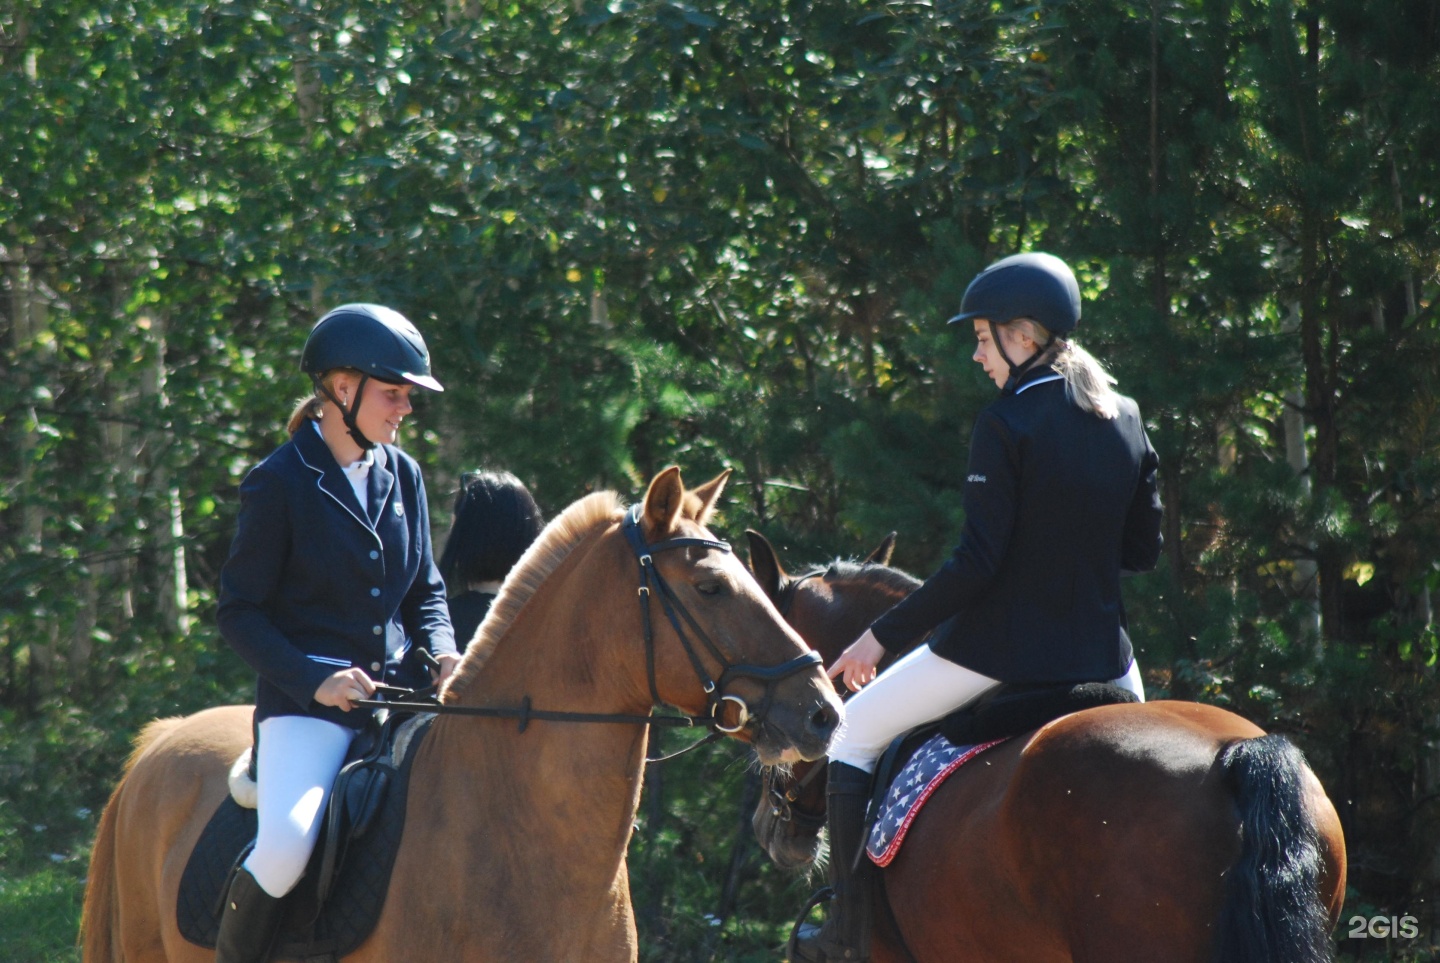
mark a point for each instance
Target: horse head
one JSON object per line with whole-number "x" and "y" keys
{"x": 757, "y": 680}
{"x": 830, "y": 607}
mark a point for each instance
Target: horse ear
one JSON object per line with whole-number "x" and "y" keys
{"x": 765, "y": 565}
{"x": 663, "y": 502}
{"x": 709, "y": 495}
{"x": 883, "y": 551}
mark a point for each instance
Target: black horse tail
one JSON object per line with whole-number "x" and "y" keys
{"x": 1272, "y": 910}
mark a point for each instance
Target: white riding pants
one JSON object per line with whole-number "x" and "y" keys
{"x": 919, "y": 688}
{"x": 299, "y": 759}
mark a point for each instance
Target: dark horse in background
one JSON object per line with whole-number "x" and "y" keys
{"x": 1162, "y": 832}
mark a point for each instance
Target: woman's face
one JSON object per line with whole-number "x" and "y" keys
{"x": 382, "y": 409}
{"x": 1017, "y": 345}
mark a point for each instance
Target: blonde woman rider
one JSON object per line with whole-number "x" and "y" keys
{"x": 1060, "y": 498}
{"x": 330, "y": 588}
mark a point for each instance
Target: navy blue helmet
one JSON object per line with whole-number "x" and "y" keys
{"x": 1037, "y": 286}
{"x": 374, "y": 340}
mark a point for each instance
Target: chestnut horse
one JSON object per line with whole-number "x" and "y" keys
{"x": 1163, "y": 832}
{"x": 515, "y": 841}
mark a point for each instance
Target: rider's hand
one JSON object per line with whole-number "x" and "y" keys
{"x": 448, "y": 664}
{"x": 343, "y": 688}
{"x": 857, "y": 663}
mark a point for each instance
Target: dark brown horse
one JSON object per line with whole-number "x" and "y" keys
{"x": 514, "y": 845}
{"x": 1164, "y": 832}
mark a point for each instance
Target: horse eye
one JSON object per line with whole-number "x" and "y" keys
{"x": 711, "y": 586}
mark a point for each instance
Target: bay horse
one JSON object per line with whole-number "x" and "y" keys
{"x": 1159, "y": 832}
{"x": 515, "y": 839}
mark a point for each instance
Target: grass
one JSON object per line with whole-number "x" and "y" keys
{"x": 40, "y": 915}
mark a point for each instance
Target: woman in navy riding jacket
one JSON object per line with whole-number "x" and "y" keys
{"x": 330, "y": 588}
{"x": 1060, "y": 498}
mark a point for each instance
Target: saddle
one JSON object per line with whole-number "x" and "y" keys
{"x": 335, "y": 906}
{"x": 1005, "y": 711}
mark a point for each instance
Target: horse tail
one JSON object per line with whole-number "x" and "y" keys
{"x": 1272, "y": 910}
{"x": 97, "y": 917}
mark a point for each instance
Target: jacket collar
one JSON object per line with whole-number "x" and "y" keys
{"x": 382, "y": 482}
{"x": 1040, "y": 375}
{"x": 316, "y": 456}
{"x": 1036, "y": 375}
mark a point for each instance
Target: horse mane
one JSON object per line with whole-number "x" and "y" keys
{"x": 543, "y": 557}
{"x": 872, "y": 573}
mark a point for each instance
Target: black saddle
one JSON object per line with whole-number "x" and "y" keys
{"x": 336, "y": 904}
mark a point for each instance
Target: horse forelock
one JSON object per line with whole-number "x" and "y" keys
{"x": 541, "y": 559}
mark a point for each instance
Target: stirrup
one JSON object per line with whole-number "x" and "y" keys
{"x": 822, "y": 895}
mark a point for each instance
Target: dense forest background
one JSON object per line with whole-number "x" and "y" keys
{"x": 727, "y": 234}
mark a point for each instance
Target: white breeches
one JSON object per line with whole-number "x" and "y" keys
{"x": 299, "y": 759}
{"x": 919, "y": 688}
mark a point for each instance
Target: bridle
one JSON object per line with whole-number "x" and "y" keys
{"x": 653, "y": 585}
{"x": 782, "y": 804}
{"x": 675, "y": 611}
{"x": 790, "y": 589}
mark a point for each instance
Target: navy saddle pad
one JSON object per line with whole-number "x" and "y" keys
{"x": 312, "y": 931}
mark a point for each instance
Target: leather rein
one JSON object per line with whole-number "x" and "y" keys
{"x": 652, "y": 585}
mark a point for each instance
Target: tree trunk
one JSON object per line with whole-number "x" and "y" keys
{"x": 167, "y": 546}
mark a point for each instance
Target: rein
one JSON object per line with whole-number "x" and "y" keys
{"x": 651, "y": 585}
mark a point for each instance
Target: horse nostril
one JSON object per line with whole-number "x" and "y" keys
{"x": 823, "y": 719}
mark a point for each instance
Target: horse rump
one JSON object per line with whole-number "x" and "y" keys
{"x": 1272, "y": 910}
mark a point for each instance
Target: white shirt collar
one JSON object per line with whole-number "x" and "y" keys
{"x": 357, "y": 473}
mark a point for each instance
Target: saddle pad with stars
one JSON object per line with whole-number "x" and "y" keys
{"x": 930, "y": 766}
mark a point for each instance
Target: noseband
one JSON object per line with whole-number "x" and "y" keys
{"x": 653, "y": 584}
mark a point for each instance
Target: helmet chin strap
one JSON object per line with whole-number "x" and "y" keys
{"x": 349, "y": 414}
{"x": 1017, "y": 371}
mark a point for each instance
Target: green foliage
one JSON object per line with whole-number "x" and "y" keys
{"x": 637, "y": 233}
{"x": 38, "y": 913}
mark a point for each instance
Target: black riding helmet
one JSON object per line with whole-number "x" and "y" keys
{"x": 1037, "y": 286}
{"x": 378, "y": 342}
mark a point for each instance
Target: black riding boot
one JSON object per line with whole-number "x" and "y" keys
{"x": 248, "y": 923}
{"x": 845, "y": 936}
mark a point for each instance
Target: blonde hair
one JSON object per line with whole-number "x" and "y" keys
{"x": 312, "y": 406}
{"x": 1087, "y": 383}
{"x": 306, "y": 409}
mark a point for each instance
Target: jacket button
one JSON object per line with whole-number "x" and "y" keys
{"x": 375, "y": 593}
{"x": 374, "y": 553}
{"x": 377, "y": 630}
{"x": 374, "y": 666}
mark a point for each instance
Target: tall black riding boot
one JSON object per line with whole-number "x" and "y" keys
{"x": 845, "y": 936}
{"x": 248, "y": 923}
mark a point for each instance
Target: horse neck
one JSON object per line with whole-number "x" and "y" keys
{"x": 830, "y": 622}
{"x": 576, "y": 645}
{"x": 574, "y": 785}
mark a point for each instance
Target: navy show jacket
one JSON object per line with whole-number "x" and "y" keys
{"x": 315, "y": 583}
{"x": 1057, "y": 503}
